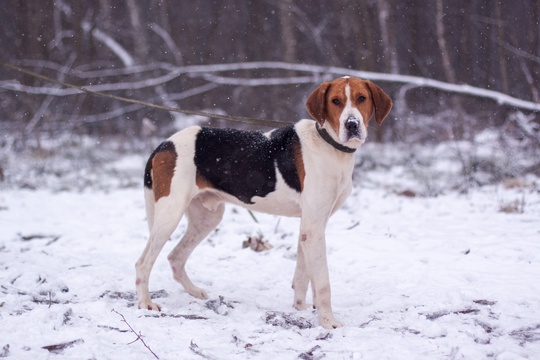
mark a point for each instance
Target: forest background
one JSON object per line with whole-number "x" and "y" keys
{"x": 436, "y": 58}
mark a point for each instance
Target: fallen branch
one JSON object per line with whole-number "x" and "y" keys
{"x": 287, "y": 321}
{"x": 309, "y": 355}
{"x": 177, "y": 316}
{"x": 59, "y": 348}
{"x": 51, "y": 238}
{"x": 218, "y": 305}
{"x": 5, "y": 351}
{"x": 139, "y": 335}
{"x": 528, "y": 334}
{"x": 197, "y": 350}
{"x": 442, "y": 313}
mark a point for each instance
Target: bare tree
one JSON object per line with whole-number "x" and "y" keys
{"x": 287, "y": 30}
{"x": 152, "y": 50}
{"x": 387, "y": 37}
{"x": 441, "y": 40}
{"x": 139, "y": 37}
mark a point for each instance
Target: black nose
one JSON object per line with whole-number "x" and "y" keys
{"x": 352, "y": 126}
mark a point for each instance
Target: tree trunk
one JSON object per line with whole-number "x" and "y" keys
{"x": 441, "y": 40}
{"x": 287, "y": 30}
{"x": 140, "y": 39}
{"x": 389, "y": 48}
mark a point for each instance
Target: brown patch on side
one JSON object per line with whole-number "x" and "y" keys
{"x": 299, "y": 163}
{"x": 163, "y": 164}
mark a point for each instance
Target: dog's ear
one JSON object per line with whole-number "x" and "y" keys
{"x": 316, "y": 103}
{"x": 381, "y": 102}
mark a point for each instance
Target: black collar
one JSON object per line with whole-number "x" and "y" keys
{"x": 326, "y": 136}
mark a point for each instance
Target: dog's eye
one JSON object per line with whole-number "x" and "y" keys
{"x": 336, "y": 102}
{"x": 361, "y": 99}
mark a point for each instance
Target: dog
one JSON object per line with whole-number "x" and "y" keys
{"x": 302, "y": 170}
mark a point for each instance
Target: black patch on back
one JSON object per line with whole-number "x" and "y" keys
{"x": 164, "y": 146}
{"x": 285, "y": 140}
{"x": 241, "y": 163}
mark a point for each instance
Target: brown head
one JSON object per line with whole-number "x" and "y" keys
{"x": 345, "y": 106}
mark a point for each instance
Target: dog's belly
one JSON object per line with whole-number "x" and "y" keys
{"x": 284, "y": 201}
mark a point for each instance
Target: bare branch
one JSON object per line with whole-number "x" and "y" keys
{"x": 168, "y": 40}
{"x": 112, "y": 44}
{"x": 48, "y": 100}
{"x": 131, "y": 108}
{"x": 257, "y": 82}
{"x": 318, "y": 73}
{"x": 139, "y": 335}
{"x": 16, "y": 86}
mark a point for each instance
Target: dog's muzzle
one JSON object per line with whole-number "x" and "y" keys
{"x": 352, "y": 125}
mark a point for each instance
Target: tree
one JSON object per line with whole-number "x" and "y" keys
{"x": 133, "y": 48}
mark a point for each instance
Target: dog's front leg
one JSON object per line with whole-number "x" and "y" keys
{"x": 313, "y": 249}
{"x": 301, "y": 279}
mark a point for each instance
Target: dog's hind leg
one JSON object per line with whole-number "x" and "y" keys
{"x": 167, "y": 214}
{"x": 149, "y": 202}
{"x": 204, "y": 214}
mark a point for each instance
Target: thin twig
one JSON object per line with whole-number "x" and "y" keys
{"x": 253, "y": 216}
{"x": 277, "y": 225}
{"x": 139, "y": 335}
{"x": 353, "y": 225}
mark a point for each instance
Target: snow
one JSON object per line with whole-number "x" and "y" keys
{"x": 446, "y": 277}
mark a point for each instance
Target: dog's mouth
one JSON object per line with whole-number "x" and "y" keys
{"x": 354, "y": 133}
{"x": 355, "y": 141}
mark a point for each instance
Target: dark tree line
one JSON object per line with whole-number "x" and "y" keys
{"x": 124, "y": 46}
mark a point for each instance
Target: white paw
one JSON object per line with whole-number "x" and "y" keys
{"x": 301, "y": 305}
{"x": 198, "y": 293}
{"x": 148, "y": 305}
{"x": 328, "y": 322}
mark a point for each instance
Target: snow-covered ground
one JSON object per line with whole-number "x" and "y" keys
{"x": 454, "y": 276}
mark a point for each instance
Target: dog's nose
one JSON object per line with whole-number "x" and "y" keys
{"x": 352, "y": 125}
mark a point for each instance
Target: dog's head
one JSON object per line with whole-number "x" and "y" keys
{"x": 345, "y": 106}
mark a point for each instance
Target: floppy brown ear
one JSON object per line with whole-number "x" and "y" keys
{"x": 381, "y": 102}
{"x": 316, "y": 103}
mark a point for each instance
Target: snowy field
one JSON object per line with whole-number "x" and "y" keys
{"x": 453, "y": 276}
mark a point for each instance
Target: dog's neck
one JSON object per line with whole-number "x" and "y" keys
{"x": 330, "y": 140}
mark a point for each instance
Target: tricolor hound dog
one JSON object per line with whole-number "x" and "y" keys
{"x": 302, "y": 170}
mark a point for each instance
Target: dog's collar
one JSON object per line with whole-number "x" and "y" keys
{"x": 326, "y": 136}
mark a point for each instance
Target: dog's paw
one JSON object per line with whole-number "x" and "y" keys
{"x": 301, "y": 305}
{"x": 148, "y": 305}
{"x": 328, "y": 322}
{"x": 198, "y": 293}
